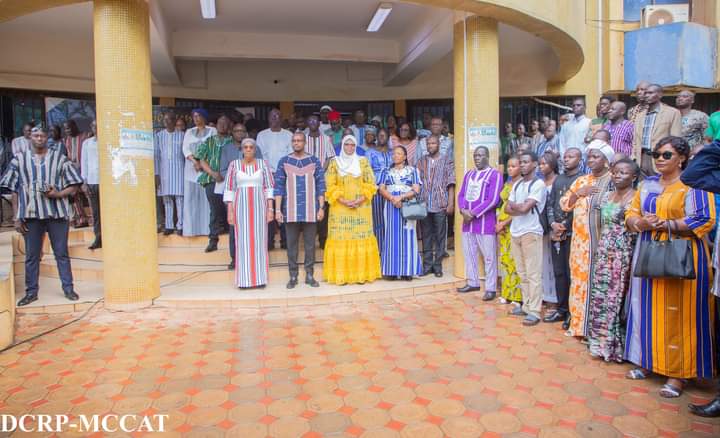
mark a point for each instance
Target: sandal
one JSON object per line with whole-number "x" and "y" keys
{"x": 670, "y": 391}
{"x": 637, "y": 374}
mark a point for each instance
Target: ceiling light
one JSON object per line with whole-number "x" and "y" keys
{"x": 208, "y": 8}
{"x": 379, "y": 18}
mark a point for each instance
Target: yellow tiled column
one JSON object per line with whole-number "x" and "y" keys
{"x": 124, "y": 120}
{"x": 477, "y": 100}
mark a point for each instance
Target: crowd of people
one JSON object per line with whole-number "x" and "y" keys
{"x": 559, "y": 226}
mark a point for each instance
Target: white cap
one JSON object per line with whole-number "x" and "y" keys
{"x": 326, "y": 107}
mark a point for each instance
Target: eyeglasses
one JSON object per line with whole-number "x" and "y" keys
{"x": 665, "y": 155}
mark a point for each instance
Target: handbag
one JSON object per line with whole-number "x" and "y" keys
{"x": 413, "y": 209}
{"x": 671, "y": 258}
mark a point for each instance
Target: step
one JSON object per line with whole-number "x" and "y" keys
{"x": 51, "y": 299}
{"x": 92, "y": 270}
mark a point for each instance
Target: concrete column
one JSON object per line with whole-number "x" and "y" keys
{"x": 477, "y": 100}
{"x": 124, "y": 120}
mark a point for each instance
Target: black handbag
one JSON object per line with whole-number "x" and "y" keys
{"x": 413, "y": 209}
{"x": 671, "y": 258}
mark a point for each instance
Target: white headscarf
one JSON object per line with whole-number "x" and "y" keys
{"x": 603, "y": 147}
{"x": 348, "y": 164}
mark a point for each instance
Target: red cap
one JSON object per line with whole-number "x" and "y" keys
{"x": 334, "y": 115}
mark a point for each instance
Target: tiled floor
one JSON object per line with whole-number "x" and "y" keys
{"x": 432, "y": 366}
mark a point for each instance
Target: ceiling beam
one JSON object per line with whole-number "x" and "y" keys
{"x": 429, "y": 42}
{"x": 234, "y": 45}
{"x": 162, "y": 62}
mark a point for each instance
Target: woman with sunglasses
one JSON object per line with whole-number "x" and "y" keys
{"x": 249, "y": 194}
{"x": 669, "y": 323}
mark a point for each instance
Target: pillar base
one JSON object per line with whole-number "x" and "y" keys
{"x": 128, "y": 307}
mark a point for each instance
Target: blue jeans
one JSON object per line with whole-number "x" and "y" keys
{"x": 57, "y": 230}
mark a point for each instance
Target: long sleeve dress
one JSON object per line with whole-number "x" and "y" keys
{"x": 670, "y": 321}
{"x": 400, "y": 254}
{"x": 586, "y": 233}
{"x": 510, "y": 285}
{"x": 196, "y": 208}
{"x": 351, "y": 251}
{"x": 248, "y": 187}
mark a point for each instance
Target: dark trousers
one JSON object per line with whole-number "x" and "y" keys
{"x": 561, "y": 269}
{"x": 218, "y": 212}
{"x": 273, "y": 228}
{"x": 434, "y": 239}
{"x": 322, "y": 227}
{"x": 57, "y": 229}
{"x": 231, "y": 239}
{"x": 94, "y": 198}
{"x": 293, "y": 230}
{"x": 159, "y": 211}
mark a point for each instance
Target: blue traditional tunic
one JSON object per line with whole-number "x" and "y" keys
{"x": 170, "y": 162}
{"x": 299, "y": 182}
{"x": 379, "y": 162}
{"x": 400, "y": 255}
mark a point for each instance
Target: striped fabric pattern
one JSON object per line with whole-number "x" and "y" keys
{"x": 400, "y": 254}
{"x": 299, "y": 182}
{"x": 29, "y": 178}
{"x": 621, "y": 136}
{"x": 248, "y": 187}
{"x": 671, "y": 321}
{"x": 320, "y": 146}
{"x": 170, "y": 162}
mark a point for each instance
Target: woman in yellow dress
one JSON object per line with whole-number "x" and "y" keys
{"x": 351, "y": 251}
{"x": 510, "y": 287}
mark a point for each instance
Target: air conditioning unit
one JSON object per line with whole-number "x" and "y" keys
{"x": 657, "y": 15}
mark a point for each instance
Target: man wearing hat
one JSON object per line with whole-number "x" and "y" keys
{"x": 325, "y": 111}
{"x": 42, "y": 182}
{"x": 336, "y": 130}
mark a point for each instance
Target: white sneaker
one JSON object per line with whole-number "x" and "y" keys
{"x": 502, "y": 300}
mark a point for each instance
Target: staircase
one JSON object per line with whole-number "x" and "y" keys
{"x": 189, "y": 277}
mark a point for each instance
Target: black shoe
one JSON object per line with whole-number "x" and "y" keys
{"x": 309, "y": 280}
{"x": 231, "y": 266}
{"x": 178, "y": 232}
{"x": 426, "y": 272}
{"x": 556, "y": 316}
{"x": 389, "y": 277}
{"x": 566, "y": 323}
{"x": 489, "y": 296}
{"x": 95, "y": 245}
{"x": 406, "y": 277}
{"x": 212, "y": 246}
{"x": 467, "y": 288}
{"x": 709, "y": 410}
{"x": 292, "y": 283}
{"x": 27, "y": 299}
{"x": 283, "y": 246}
{"x": 168, "y": 231}
{"x": 71, "y": 295}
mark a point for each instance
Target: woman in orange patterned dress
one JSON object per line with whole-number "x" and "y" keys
{"x": 583, "y": 199}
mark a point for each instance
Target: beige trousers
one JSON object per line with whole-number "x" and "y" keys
{"x": 527, "y": 251}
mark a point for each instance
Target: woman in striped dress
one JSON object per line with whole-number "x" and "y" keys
{"x": 380, "y": 160}
{"x": 196, "y": 208}
{"x": 249, "y": 194}
{"x": 400, "y": 255}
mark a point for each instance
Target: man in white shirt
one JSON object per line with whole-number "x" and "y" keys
{"x": 574, "y": 131}
{"x": 90, "y": 171}
{"x": 275, "y": 143}
{"x": 22, "y": 143}
{"x": 525, "y": 204}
